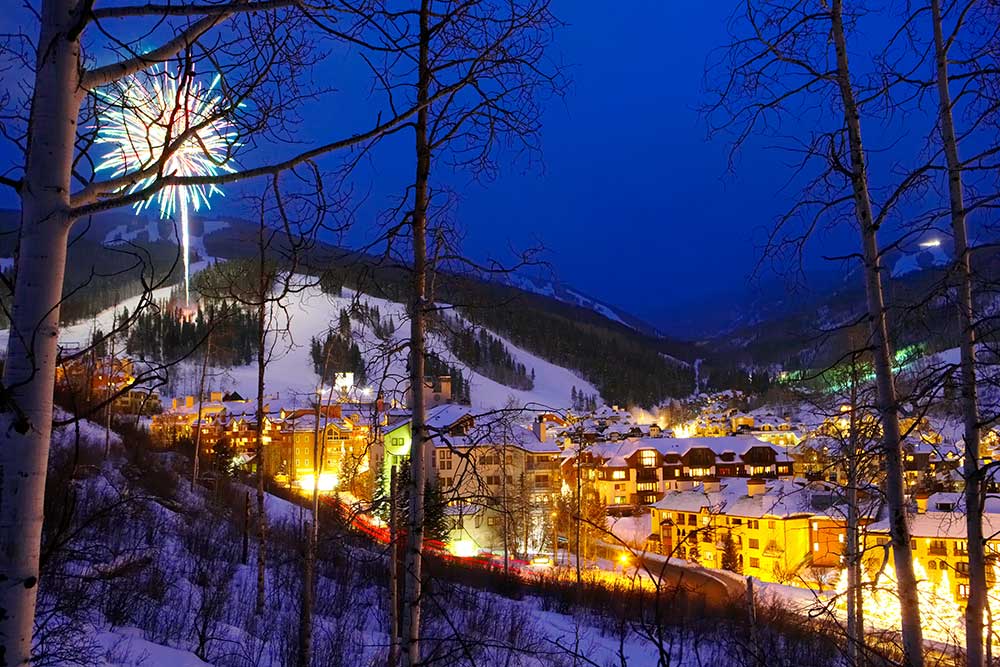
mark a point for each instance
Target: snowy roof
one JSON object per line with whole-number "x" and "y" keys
{"x": 955, "y": 502}
{"x": 439, "y": 418}
{"x": 307, "y": 422}
{"x": 950, "y": 525}
{"x": 781, "y": 498}
{"x": 738, "y": 445}
{"x": 486, "y": 433}
{"x": 495, "y": 435}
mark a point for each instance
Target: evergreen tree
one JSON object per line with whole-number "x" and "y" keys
{"x": 730, "y": 556}
{"x": 222, "y": 457}
{"x": 344, "y": 324}
{"x": 435, "y": 518}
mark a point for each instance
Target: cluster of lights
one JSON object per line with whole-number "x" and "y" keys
{"x": 144, "y": 115}
{"x": 327, "y": 482}
{"x": 687, "y": 430}
{"x": 463, "y": 548}
{"x": 942, "y": 618}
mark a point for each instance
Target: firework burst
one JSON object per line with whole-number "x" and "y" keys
{"x": 147, "y": 113}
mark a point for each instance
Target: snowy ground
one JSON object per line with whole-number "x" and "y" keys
{"x": 632, "y": 530}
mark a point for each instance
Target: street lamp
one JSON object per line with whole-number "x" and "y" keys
{"x": 555, "y": 539}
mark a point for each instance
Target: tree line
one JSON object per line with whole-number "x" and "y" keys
{"x": 169, "y": 331}
{"x": 624, "y": 369}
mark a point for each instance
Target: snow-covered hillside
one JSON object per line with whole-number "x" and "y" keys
{"x": 172, "y": 589}
{"x": 310, "y": 313}
{"x": 549, "y": 288}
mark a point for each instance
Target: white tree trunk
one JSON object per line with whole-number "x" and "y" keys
{"x": 976, "y": 603}
{"x": 29, "y": 374}
{"x": 886, "y": 400}
{"x": 413, "y": 574}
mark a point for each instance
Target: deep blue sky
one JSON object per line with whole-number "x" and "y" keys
{"x": 634, "y": 203}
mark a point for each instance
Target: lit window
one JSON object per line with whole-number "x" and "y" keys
{"x": 618, "y": 474}
{"x": 815, "y": 546}
{"x": 647, "y": 458}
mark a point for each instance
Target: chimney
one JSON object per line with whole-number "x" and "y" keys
{"x": 540, "y": 428}
{"x": 379, "y": 403}
{"x": 756, "y": 487}
{"x": 215, "y": 396}
{"x": 921, "y": 499}
{"x": 173, "y": 404}
{"x": 189, "y": 401}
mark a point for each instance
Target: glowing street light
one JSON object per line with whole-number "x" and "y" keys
{"x": 327, "y": 482}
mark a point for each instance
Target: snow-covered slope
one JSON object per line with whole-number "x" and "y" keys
{"x": 310, "y": 313}
{"x": 554, "y": 290}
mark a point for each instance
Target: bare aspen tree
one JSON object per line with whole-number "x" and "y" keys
{"x": 201, "y": 403}
{"x": 962, "y": 253}
{"x": 312, "y": 536}
{"x": 882, "y": 358}
{"x": 263, "y": 284}
{"x": 788, "y": 52}
{"x": 474, "y": 72}
{"x": 958, "y": 53}
{"x": 263, "y": 50}
{"x": 417, "y": 310}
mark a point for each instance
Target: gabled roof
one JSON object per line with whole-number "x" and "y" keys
{"x": 439, "y": 418}
{"x": 738, "y": 445}
{"x": 948, "y": 525}
{"x": 780, "y": 498}
{"x": 496, "y": 435}
{"x": 991, "y": 503}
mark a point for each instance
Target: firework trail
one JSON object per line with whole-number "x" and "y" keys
{"x": 144, "y": 115}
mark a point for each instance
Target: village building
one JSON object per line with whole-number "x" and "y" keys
{"x": 500, "y": 480}
{"x": 180, "y": 420}
{"x": 638, "y": 471}
{"x": 96, "y": 378}
{"x": 938, "y": 540}
{"x": 342, "y": 443}
{"x": 773, "y": 529}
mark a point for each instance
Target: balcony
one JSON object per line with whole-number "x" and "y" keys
{"x": 646, "y": 475}
{"x": 772, "y": 549}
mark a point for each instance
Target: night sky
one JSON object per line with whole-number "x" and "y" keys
{"x": 634, "y": 204}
